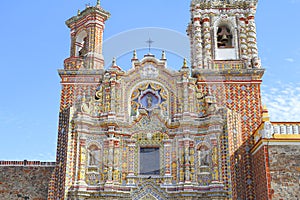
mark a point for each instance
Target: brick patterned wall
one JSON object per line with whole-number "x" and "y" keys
{"x": 245, "y": 100}
{"x": 19, "y": 179}
{"x": 261, "y": 173}
{"x": 285, "y": 171}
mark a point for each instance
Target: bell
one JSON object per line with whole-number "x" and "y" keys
{"x": 224, "y": 38}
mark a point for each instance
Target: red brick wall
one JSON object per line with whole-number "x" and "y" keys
{"x": 261, "y": 174}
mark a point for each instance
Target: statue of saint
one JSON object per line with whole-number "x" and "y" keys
{"x": 93, "y": 157}
{"x": 149, "y": 101}
{"x": 203, "y": 157}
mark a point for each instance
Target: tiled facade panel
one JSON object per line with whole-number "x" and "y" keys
{"x": 260, "y": 173}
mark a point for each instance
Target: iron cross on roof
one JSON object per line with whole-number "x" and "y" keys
{"x": 149, "y": 42}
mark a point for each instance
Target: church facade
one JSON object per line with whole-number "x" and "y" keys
{"x": 154, "y": 133}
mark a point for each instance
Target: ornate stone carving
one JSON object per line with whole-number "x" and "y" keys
{"x": 149, "y": 71}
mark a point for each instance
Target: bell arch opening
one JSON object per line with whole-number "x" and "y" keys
{"x": 224, "y": 37}
{"x": 81, "y": 44}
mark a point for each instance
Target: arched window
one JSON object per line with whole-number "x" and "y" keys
{"x": 84, "y": 48}
{"x": 224, "y": 37}
{"x": 81, "y": 44}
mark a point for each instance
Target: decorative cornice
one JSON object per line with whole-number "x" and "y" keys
{"x": 230, "y": 74}
{"x": 88, "y": 11}
{"x": 223, "y": 4}
{"x": 63, "y": 72}
{"x": 27, "y": 163}
{"x": 275, "y": 142}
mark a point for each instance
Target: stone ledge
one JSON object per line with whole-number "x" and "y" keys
{"x": 27, "y": 163}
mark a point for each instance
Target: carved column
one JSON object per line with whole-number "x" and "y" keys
{"x": 207, "y": 42}
{"x": 73, "y": 152}
{"x": 116, "y": 171}
{"x": 192, "y": 100}
{"x": 107, "y": 93}
{"x": 215, "y": 161}
{"x": 119, "y": 105}
{"x": 187, "y": 164}
{"x": 175, "y": 163}
{"x": 167, "y": 155}
{"x": 124, "y": 160}
{"x": 197, "y": 46}
{"x": 192, "y": 161}
{"x": 82, "y": 163}
{"x": 110, "y": 160}
{"x": 113, "y": 93}
{"x": 185, "y": 102}
{"x": 131, "y": 160}
{"x": 252, "y": 40}
{"x": 181, "y": 161}
{"x": 252, "y": 36}
{"x": 243, "y": 38}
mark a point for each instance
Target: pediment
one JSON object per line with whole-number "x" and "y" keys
{"x": 148, "y": 190}
{"x": 150, "y": 68}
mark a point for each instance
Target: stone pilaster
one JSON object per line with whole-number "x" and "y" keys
{"x": 167, "y": 155}
{"x": 131, "y": 160}
{"x": 215, "y": 161}
{"x": 81, "y": 184}
{"x": 116, "y": 170}
{"x": 110, "y": 160}
{"x": 185, "y": 95}
{"x": 187, "y": 164}
{"x": 192, "y": 161}
{"x": 113, "y": 93}
{"x": 181, "y": 161}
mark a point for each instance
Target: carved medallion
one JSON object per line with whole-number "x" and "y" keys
{"x": 148, "y": 97}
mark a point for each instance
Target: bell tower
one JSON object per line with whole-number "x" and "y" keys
{"x": 82, "y": 73}
{"x": 225, "y": 62}
{"x": 87, "y": 38}
{"x": 223, "y": 30}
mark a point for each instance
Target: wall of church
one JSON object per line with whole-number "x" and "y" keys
{"x": 231, "y": 95}
{"x": 261, "y": 173}
{"x": 25, "y": 179}
{"x": 285, "y": 171}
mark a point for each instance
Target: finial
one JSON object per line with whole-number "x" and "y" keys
{"x": 134, "y": 55}
{"x": 98, "y": 2}
{"x": 265, "y": 107}
{"x": 184, "y": 63}
{"x": 78, "y": 12}
{"x": 163, "y": 55}
{"x": 114, "y": 61}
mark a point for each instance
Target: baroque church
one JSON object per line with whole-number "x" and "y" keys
{"x": 154, "y": 133}
{"x": 150, "y": 132}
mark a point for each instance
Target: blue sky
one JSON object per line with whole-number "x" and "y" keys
{"x": 35, "y": 41}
